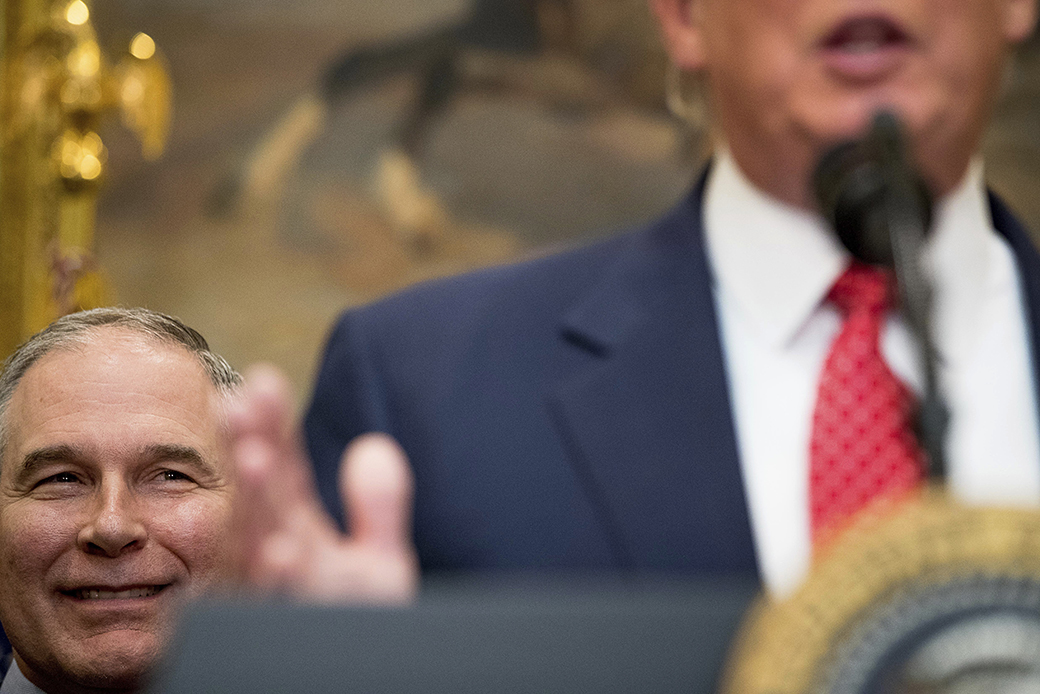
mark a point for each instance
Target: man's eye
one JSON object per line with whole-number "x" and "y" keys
{"x": 61, "y": 478}
{"x": 174, "y": 476}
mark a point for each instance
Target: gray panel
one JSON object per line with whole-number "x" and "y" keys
{"x": 463, "y": 638}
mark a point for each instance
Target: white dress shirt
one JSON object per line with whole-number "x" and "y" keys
{"x": 773, "y": 267}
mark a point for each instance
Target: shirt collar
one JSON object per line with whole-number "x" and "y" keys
{"x": 776, "y": 262}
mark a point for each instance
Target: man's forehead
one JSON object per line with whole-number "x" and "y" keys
{"x": 115, "y": 388}
{"x": 101, "y": 356}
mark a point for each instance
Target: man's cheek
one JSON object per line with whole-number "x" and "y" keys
{"x": 198, "y": 534}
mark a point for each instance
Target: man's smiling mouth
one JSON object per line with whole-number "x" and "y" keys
{"x": 108, "y": 594}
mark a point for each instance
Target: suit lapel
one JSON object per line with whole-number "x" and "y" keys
{"x": 647, "y": 417}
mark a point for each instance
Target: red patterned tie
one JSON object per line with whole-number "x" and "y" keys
{"x": 863, "y": 447}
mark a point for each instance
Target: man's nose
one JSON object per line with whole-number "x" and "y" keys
{"x": 113, "y": 526}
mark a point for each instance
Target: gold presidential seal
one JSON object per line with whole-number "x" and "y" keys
{"x": 922, "y": 597}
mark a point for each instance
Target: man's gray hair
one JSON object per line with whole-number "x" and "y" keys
{"x": 75, "y": 329}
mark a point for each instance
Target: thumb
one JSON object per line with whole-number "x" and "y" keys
{"x": 376, "y": 487}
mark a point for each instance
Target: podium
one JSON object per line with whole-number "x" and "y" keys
{"x": 463, "y": 635}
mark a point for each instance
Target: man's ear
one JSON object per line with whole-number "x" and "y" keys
{"x": 683, "y": 31}
{"x": 1019, "y": 19}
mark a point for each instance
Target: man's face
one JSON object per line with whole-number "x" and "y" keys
{"x": 789, "y": 78}
{"x": 114, "y": 505}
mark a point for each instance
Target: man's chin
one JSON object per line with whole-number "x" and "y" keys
{"x": 127, "y": 679}
{"x": 114, "y": 661}
{"x": 125, "y": 654}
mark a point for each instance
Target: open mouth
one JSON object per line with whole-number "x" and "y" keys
{"x": 865, "y": 35}
{"x": 866, "y": 49}
{"x": 108, "y": 594}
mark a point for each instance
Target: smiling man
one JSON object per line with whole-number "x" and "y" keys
{"x": 115, "y": 498}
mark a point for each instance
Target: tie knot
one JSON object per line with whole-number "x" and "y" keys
{"x": 862, "y": 288}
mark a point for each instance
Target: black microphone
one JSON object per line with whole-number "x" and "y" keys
{"x": 858, "y": 182}
{"x": 872, "y": 196}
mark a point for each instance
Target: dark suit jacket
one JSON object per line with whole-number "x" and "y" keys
{"x": 567, "y": 412}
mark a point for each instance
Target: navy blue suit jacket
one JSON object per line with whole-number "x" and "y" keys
{"x": 570, "y": 412}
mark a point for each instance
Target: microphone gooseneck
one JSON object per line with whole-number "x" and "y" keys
{"x": 880, "y": 208}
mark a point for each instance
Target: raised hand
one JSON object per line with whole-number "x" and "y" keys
{"x": 286, "y": 542}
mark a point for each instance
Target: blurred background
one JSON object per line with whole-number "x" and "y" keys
{"x": 554, "y": 147}
{"x": 517, "y": 171}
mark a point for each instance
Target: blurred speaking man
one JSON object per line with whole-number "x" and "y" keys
{"x": 115, "y": 498}
{"x": 671, "y": 399}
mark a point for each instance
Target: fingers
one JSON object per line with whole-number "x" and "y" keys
{"x": 274, "y": 490}
{"x": 262, "y": 409}
{"x": 377, "y": 489}
{"x": 310, "y": 559}
{"x": 253, "y": 519}
{"x": 285, "y": 540}
{"x": 264, "y": 444}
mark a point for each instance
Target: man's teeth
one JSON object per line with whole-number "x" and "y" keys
{"x": 90, "y": 594}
